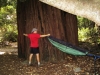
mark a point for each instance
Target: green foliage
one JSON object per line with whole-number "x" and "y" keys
{"x": 8, "y": 27}
{"x": 12, "y": 3}
{"x": 83, "y": 22}
{"x": 7, "y": 15}
{"x": 83, "y": 34}
{"x": 10, "y": 36}
{"x": 88, "y": 31}
{"x": 3, "y": 3}
{"x": 9, "y": 33}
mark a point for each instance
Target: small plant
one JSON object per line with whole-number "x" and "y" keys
{"x": 83, "y": 34}
{"x": 10, "y": 36}
{"x": 88, "y": 31}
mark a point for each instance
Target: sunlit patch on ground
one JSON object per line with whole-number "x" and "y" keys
{"x": 7, "y": 50}
{"x": 1, "y": 53}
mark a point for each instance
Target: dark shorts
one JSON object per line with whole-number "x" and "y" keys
{"x": 34, "y": 50}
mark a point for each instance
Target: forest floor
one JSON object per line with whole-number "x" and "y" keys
{"x": 10, "y": 64}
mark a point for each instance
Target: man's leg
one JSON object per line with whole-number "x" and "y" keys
{"x": 38, "y": 58}
{"x": 30, "y": 58}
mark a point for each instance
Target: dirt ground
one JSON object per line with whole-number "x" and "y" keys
{"x": 10, "y": 64}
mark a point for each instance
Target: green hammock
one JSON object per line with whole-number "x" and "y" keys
{"x": 70, "y": 49}
{"x": 66, "y": 49}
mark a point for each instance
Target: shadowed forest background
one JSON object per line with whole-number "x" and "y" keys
{"x": 19, "y": 16}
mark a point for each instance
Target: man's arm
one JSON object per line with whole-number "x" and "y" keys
{"x": 45, "y": 35}
{"x": 25, "y": 34}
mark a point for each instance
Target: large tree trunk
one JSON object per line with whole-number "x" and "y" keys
{"x": 86, "y": 8}
{"x": 21, "y": 22}
{"x": 47, "y": 19}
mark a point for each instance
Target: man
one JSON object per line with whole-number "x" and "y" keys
{"x": 34, "y": 47}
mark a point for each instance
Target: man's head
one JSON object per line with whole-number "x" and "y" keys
{"x": 34, "y": 30}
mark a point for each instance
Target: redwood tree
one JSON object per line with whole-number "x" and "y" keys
{"x": 47, "y": 19}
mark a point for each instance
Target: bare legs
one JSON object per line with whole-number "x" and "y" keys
{"x": 30, "y": 58}
{"x": 37, "y": 57}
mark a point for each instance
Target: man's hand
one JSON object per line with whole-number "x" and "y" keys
{"x": 25, "y": 34}
{"x": 48, "y": 34}
{"x": 45, "y": 35}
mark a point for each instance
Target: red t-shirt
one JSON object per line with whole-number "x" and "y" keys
{"x": 34, "y": 37}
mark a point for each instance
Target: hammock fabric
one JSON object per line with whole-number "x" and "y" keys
{"x": 73, "y": 50}
{"x": 69, "y": 48}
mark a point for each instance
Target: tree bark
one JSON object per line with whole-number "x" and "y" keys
{"x": 86, "y": 8}
{"x": 46, "y": 19}
{"x": 21, "y": 23}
